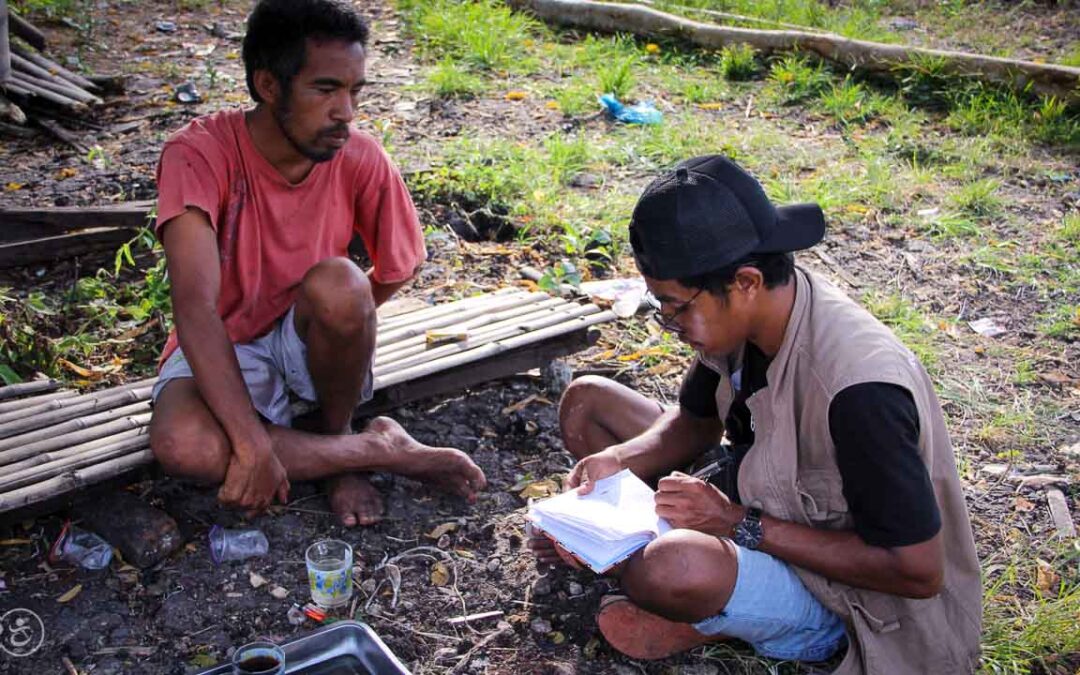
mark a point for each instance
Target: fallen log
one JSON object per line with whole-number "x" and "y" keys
{"x": 5, "y": 43}
{"x": 48, "y": 249}
{"x": 18, "y": 84}
{"x": 42, "y": 75}
{"x": 26, "y": 30}
{"x": 1047, "y": 79}
{"x": 17, "y": 224}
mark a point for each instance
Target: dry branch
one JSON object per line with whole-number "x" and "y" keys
{"x": 1043, "y": 78}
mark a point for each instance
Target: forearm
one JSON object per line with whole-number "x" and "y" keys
{"x": 210, "y": 353}
{"x": 673, "y": 441}
{"x": 382, "y": 292}
{"x": 843, "y": 556}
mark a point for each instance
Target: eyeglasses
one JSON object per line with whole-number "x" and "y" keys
{"x": 668, "y": 321}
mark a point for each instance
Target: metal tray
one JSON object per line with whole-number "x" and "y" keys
{"x": 342, "y": 648}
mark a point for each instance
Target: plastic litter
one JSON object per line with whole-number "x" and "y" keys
{"x": 82, "y": 548}
{"x": 187, "y": 93}
{"x": 229, "y": 545}
{"x": 165, "y": 26}
{"x": 643, "y": 112}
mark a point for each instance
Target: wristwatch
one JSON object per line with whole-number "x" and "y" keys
{"x": 748, "y": 531}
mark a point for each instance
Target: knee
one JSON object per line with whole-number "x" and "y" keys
{"x": 337, "y": 295}
{"x": 579, "y": 401}
{"x": 190, "y": 451}
{"x": 681, "y": 574}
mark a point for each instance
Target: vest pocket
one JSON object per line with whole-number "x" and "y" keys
{"x": 822, "y": 499}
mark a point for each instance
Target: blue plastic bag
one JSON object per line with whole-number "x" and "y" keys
{"x": 639, "y": 113}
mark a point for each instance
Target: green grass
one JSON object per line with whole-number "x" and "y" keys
{"x": 449, "y": 80}
{"x": 913, "y": 329}
{"x": 795, "y": 78}
{"x": 483, "y": 35}
{"x": 738, "y": 62}
{"x": 851, "y": 102}
{"x": 979, "y": 199}
{"x": 616, "y": 77}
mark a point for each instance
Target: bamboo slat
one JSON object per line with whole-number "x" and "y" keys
{"x": 36, "y": 419}
{"x": 31, "y": 401}
{"x": 420, "y": 327}
{"x": 28, "y": 388}
{"x": 75, "y": 425}
{"x": 491, "y": 349}
{"x": 37, "y": 474}
{"x": 20, "y": 453}
{"x": 73, "y": 480}
{"x": 500, "y": 331}
{"x": 50, "y": 402}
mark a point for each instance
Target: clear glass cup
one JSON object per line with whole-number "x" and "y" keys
{"x": 259, "y": 658}
{"x": 329, "y": 567}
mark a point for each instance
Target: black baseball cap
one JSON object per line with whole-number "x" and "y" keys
{"x": 708, "y": 213}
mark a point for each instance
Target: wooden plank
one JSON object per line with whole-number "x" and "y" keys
{"x": 49, "y": 249}
{"x": 1059, "y": 511}
{"x": 19, "y": 224}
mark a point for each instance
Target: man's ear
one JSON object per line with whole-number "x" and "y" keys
{"x": 748, "y": 280}
{"x": 268, "y": 87}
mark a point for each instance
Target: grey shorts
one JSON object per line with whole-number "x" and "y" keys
{"x": 272, "y": 366}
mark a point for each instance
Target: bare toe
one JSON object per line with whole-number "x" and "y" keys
{"x": 355, "y": 500}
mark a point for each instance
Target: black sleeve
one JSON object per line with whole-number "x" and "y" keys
{"x": 697, "y": 395}
{"x": 875, "y": 427}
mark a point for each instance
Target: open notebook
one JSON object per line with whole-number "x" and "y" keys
{"x": 605, "y": 526}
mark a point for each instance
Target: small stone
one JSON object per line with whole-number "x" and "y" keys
{"x": 279, "y": 592}
{"x": 257, "y": 580}
{"x": 903, "y": 23}
{"x": 165, "y": 26}
{"x": 542, "y": 586}
{"x": 444, "y": 542}
{"x": 145, "y": 535}
{"x": 995, "y": 469}
{"x": 574, "y": 588}
{"x": 540, "y": 625}
{"x": 493, "y": 564}
{"x": 1071, "y": 450}
{"x": 368, "y": 585}
{"x": 408, "y": 606}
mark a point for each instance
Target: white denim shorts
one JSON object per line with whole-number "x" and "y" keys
{"x": 272, "y": 366}
{"x": 772, "y": 610}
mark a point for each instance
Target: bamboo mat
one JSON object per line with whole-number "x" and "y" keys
{"x": 54, "y": 441}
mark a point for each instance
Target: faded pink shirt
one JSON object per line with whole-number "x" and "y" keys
{"x": 271, "y": 232}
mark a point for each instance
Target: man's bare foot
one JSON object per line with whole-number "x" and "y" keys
{"x": 355, "y": 500}
{"x": 445, "y": 468}
{"x": 643, "y": 635}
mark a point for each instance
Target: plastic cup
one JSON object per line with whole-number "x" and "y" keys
{"x": 329, "y": 568}
{"x": 228, "y": 545}
{"x": 259, "y": 658}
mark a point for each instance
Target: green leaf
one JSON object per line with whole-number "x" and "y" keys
{"x": 8, "y": 375}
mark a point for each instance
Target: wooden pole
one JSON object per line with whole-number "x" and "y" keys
{"x": 56, "y": 69}
{"x": 20, "y": 422}
{"x": 74, "y": 480}
{"x": 406, "y": 318}
{"x": 37, "y": 474}
{"x": 1047, "y": 79}
{"x": 26, "y": 30}
{"x": 75, "y": 425}
{"x": 61, "y": 89}
{"x": 19, "y": 86}
{"x": 23, "y": 64}
{"x": 104, "y": 430}
{"x": 71, "y": 451}
{"x": 5, "y": 44}
{"x": 28, "y": 388}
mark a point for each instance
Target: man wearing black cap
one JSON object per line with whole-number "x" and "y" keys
{"x": 846, "y": 525}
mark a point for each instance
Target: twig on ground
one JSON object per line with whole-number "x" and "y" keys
{"x": 488, "y": 639}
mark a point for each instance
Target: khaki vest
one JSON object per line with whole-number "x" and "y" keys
{"x": 831, "y": 343}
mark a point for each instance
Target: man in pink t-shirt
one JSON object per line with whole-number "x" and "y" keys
{"x": 256, "y": 209}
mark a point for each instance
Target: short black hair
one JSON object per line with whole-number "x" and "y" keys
{"x": 777, "y": 269}
{"x": 278, "y": 31}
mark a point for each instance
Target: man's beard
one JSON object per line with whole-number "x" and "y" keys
{"x": 282, "y": 114}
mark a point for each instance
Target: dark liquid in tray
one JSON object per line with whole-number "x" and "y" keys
{"x": 341, "y": 665}
{"x": 258, "y": 664}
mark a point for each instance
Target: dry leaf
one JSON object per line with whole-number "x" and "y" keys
{"x": 441, "y": 530}
{"x": 13, "y": 186}
{"x": 1024, "y": 505}
{"x": 1046, "y": 579}
{"x": 556, "y": 637}
{"x": 66, "y": 172}
{"x": 70, "y": 595}
{"x": 540, "y": 489}
{"x": 440, "y": 575}
{"x": 516, "y": 95}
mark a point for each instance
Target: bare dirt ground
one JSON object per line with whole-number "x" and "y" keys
{"x": 187, "y": 613}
